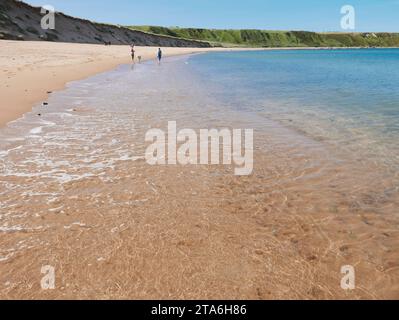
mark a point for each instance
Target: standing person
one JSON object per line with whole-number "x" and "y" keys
{"x": 159, "y": 55}
{"x": 132, "y": 51}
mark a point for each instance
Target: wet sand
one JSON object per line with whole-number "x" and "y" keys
{"x": 78, "y": 195}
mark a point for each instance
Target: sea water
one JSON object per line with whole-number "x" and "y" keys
{"x": 76, "y": 191}
{"x": 349, "y": 98}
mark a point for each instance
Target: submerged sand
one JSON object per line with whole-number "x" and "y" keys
{"x": 77, "y": 195}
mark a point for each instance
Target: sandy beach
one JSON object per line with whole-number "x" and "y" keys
{"x": 31, "y": 69}
{"x": 76, "y": 196}
{"x": 267, "y": 173}
{"x": 79, "y": 196}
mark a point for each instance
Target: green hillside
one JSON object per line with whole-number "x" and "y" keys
{"x": 263, "y": 38}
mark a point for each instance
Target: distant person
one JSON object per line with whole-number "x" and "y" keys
{"x": 139, "y": 58}
{"x": 132, "y": 51}
{"x": 159, "y": 55}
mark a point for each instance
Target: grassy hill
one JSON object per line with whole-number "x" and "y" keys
{"x": 263, "y": 38}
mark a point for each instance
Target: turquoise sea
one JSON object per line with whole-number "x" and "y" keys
{"x": 345, "y": 97}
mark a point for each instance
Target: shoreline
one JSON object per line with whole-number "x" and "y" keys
{"x": 30, "y": 70}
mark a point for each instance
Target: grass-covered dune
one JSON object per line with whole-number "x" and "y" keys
{"x": 263, "y": 38}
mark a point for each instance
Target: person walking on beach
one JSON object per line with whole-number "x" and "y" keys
{"x": 159, "y": 55}
{"x": 132, "y": 52}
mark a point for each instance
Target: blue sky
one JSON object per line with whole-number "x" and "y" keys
{"x": 312, "y": 15}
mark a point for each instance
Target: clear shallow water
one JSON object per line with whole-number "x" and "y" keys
{"x": 348, "y": 97}
{"x": 331, "y": 109}
{"x": 75, "y": 190}
{"x": 349, "y": 81}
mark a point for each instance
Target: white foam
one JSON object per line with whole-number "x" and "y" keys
{"x": 63, "y": 114}
{"x": 61, "y": 177}
{"x": 79, "y": 224}
{"x": 36, "y": 130}
{"x": 8, "y": 256}
{"x": 4, "y": 153}
{"x": 5, "y": 228}
{"x": 48, "y": 123}
{"x": 55, "y": 209}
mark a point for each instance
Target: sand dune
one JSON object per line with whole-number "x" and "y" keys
{"x": 31, "y": 69}
{"x": 20, "y": 21}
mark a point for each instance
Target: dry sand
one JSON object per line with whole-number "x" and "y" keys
{"x": 29, "y": 70}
